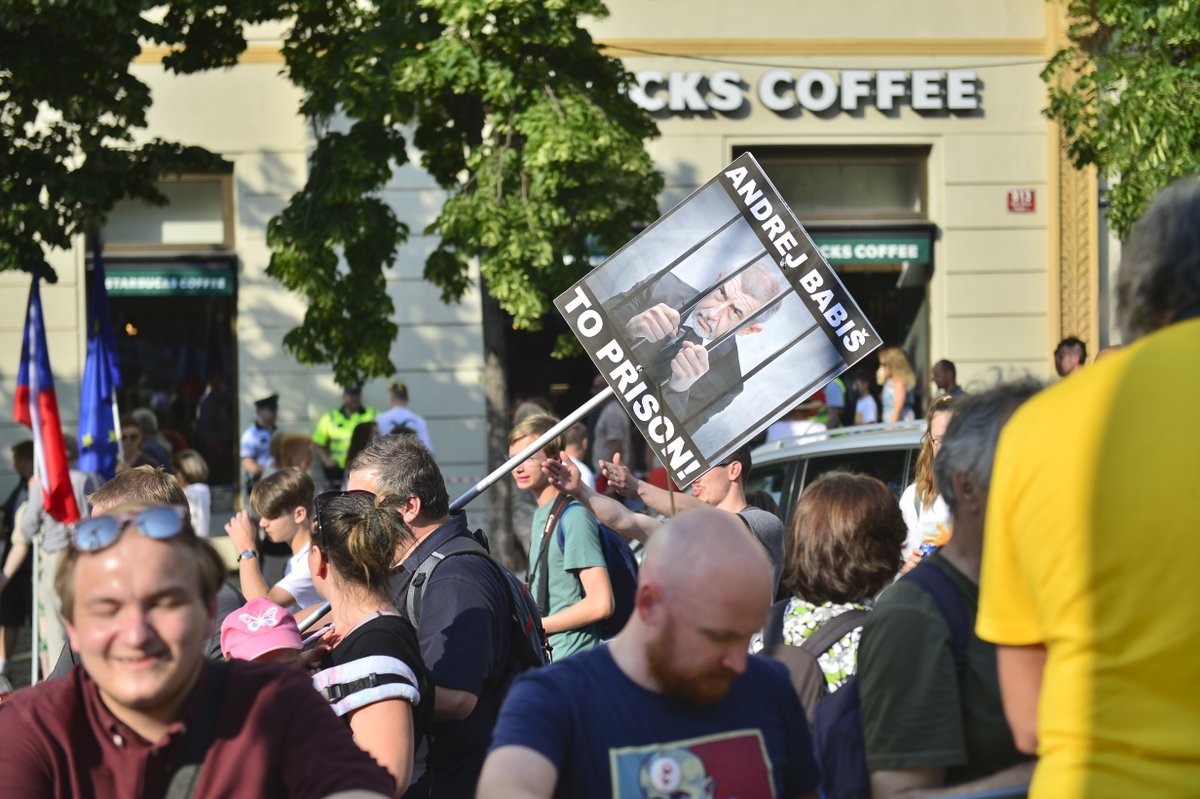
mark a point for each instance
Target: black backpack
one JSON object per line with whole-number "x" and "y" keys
{"x": 530, "y": 646}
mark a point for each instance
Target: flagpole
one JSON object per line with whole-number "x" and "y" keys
{"x": 117, "y": 428}
{"x": 500, "y": 471}
{"x": 35, "y": 628}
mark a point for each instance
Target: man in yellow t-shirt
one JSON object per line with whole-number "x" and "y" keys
{"x": 1093, "y": 541}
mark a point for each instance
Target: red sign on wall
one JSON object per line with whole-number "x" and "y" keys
{"x": 1021, "y": 201}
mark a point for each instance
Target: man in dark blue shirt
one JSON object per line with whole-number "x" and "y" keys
{"x": 463, "y": 627}
{"x": 673, "y": 706}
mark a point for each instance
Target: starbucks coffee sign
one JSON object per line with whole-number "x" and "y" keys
{"x": 786, "y": 91}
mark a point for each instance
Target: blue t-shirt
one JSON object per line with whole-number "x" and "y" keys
{"x": 466, "y": 641}
{"x": 598, "y": 726}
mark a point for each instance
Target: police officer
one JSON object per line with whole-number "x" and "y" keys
{"x": 334, "y": 428}
{"x": 256, "y": 440}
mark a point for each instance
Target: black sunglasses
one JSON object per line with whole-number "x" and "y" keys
{"x": 100, "y": 532}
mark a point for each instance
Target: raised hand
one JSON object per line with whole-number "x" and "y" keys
{"x": 563, "y": 474}
{"x": 241, "y": 531}
{"x": 620, "y": 479}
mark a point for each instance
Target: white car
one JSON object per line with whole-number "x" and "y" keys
{"x": 887, "y": 451}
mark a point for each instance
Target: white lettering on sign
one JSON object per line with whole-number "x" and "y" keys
{"x": 871, "y": 251}
{"x": 813, "y": 90}
{"x": 683, "y": 91}
{"x": 166, "y": 283}
{"x": 644, "y": 91}
{"x": 725, "y": 88}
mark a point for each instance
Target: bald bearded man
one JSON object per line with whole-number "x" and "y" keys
{"x": 673, "y": 706}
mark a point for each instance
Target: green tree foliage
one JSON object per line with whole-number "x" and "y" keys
{"x": 69, "y": 115}
{"x": 515, "y": 113}
{"x": 1127, "y": 92}
{"x": 522, "y": 121}
{"x": 514, "y": 109}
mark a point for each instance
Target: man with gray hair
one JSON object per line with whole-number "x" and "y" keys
{"x": 931, "y": 708}
{"x": 1089, "y": 569}
{"x": 462, "y": 619}
{"x": 698, "y": 372}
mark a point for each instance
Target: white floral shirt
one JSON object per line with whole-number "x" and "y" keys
{"x": 801, "y": 619}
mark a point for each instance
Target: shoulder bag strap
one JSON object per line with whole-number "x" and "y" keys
{"x": 945, "y": 593}
{"x": 833, "y": 630}
{"x": 420, "y": 578}
{"x": 186, "y": 773}
{"x": 416, "y": 586}
{"x": 542, "y": 568}
{"x": 773, "y": 632}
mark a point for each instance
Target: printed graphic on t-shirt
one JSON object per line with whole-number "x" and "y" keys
{"x": 732, "y": 765}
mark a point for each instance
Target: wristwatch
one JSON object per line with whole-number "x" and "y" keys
{"x": 246, "y": 553}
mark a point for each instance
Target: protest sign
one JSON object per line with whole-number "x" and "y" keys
{"x": 716, "y": 320}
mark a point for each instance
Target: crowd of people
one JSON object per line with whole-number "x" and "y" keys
{"x": 1015, "y": 622}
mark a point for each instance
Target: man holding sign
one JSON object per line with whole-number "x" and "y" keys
{"x": 698, "y": 370}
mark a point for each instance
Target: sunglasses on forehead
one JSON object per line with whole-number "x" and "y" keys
{"x": 99, "y": 532}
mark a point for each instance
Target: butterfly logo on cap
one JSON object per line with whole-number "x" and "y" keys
{"x": 268, "y": 618}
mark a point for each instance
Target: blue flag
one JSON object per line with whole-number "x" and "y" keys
{"x": 98, "y": 432}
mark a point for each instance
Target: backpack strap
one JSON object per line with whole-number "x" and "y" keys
{"x": 773, "y": 632}
{"x": 945, "y": 593}
{"x": 190, "y": 761}
{"x": 571, "y": 504}
{"x": 541, "y": 569}
{"x": 833, "y": 630}
{"x": 416, "y": 588}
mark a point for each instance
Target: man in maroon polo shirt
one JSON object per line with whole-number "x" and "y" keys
{"x": 141, "y": 713}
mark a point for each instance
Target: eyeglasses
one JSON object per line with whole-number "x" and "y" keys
{"x": 100, "y": 532}
{"x": 323, "y": 499}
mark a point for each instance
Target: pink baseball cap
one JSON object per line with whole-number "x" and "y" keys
{"x": 258, "y": 627}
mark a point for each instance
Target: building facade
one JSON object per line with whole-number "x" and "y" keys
{"x": 908, "y": 138}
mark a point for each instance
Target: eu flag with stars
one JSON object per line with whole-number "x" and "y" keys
{"x": 98, "y": 431}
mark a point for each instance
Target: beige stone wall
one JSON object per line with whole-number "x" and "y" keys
{"x": 248, "y": 115}
{"x": 995, "y": 298}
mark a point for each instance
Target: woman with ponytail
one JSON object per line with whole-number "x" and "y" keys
{"x": 373, "y": 676}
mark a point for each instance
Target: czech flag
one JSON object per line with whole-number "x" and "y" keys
{"x": 98, "y": 428}
{"x": 37, "y": 409}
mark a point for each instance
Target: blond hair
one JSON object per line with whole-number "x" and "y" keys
{"x": 537, "y": 426}
{"x": 895, "y": 359}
